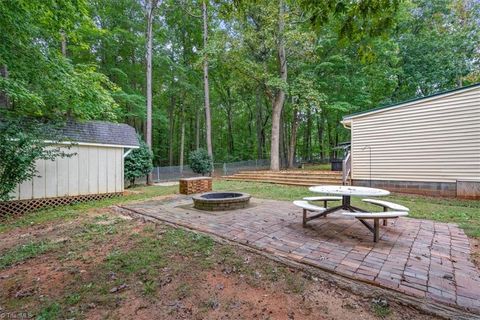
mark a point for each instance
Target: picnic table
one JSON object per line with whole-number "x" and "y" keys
{"x": 346, "y": 192}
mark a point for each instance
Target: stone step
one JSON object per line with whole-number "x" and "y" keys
{"x": 293, "y": 172}
{"x": 279, "y": 176}
{"x": 296, "y": 182}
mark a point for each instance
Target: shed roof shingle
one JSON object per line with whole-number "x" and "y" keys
{"x": 100, "y": 132}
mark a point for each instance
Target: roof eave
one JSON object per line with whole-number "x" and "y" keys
{"x": 93, "y": 144}
{"x": 347, "y": 123}
{"x": 410, "y": 102}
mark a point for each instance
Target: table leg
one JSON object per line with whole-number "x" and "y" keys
{"x": 318, "y": 215}
{"x": 376, "y": 227}
{"x": 346, "y": 202}
{"x": 353, "y": 209}
{"x": 385, "y": 220}
{"x": 332, "y": 209}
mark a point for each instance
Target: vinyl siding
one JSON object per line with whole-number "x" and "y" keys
{"x": 91, "y": 170}
{"x": 435, "y": 140}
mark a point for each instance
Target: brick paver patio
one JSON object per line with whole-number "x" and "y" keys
{"x": 418, "y": 257}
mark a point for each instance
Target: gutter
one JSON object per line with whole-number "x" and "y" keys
{"x": 347, "y": 123}
{"x": 66, "y": 142}
{"x": 128, "y": 152}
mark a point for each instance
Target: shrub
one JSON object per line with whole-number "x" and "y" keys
{"x": 22, "y": 143}
{"x": 138, "y": 163}
{"x": 201, "y": 162}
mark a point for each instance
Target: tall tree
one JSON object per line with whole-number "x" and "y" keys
{"x": 206, "y": 89}
{"x": 150, "y": 7}
{"x": 279, "y": 98}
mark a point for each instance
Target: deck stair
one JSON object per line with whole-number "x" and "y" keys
{"x": 290, "y": 177}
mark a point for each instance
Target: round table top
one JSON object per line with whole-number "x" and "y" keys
{"x": 350, "y": 191}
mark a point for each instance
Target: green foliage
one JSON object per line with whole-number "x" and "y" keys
{"x": 148, "y": 254}
{"x": 50, "y": 312}
{"x": 438, "y": 45}
{"x": 24, "y": 252}
{"x": 381, "y": 311}
{"x": 22, "y": 143}
{"x": 201, "y": 162}
{"x": 342, "y": 57}
{"x": 138, "y": 163}
{"x": 41, "y": 81}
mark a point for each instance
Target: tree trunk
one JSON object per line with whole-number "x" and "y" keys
{"x": 64, "y": 43}
{"x": 260, "y": 131}
{"x": 320, "y": 134}
{"x": 148, "y": 131}
{"x": 197, "y": 130}
{"x": 171, "y": 130}
{"x": 231, "y": 148}
{"x": 308, "y": 137}
{"x": 281, "y": 148}
{"x": 330, "y": 140}
{"x": 4, "y": 103}
{"x": 182, "y": 139}
{"x": 251, "y": 139}
{"x": 229, "y": 110}
{"x": 208, "y": 120}
{"x": 279, "y": 98}
{"x": 283, "y": 141}
{"x": 191, "y": 128}
{"x": 293, "y": 139}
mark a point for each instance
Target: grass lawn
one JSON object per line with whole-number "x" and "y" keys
{"x": 72, "y": 211}
{"x": 320, "y": 166}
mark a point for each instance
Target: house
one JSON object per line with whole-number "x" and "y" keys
{"x": 429, "y": 145}
{"x": 95, "y": 170}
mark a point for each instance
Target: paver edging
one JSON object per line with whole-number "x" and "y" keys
{"x": 358, "y": 286}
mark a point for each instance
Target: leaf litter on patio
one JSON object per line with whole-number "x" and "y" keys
{"x": 102, "y": 265}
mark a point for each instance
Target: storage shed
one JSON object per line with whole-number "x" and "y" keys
{"x": 95, "y": 170}
{"x": 428, "y": 146}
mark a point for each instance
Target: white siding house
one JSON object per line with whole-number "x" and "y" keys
{"x": 94, "y": 171}
{"x": 429, "y": 145}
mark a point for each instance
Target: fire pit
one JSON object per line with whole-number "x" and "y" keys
{"x": 221, "y": 201}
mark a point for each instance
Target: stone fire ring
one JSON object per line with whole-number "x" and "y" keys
{"x": 221, "y": 201}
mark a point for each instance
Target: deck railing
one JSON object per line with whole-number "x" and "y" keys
{"x": 346, "y": 168}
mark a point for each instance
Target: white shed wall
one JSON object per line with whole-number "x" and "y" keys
{"x": 435, "y": 140}
{"x": 93, "y": 170}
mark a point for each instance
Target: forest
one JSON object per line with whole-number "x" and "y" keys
{"x": 241, "y": 79}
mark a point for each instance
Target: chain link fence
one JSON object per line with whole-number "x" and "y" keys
{"x": 172, "y": 173}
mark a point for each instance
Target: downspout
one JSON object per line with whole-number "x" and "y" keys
{"x": 347, "y": 162}
{"x": 127, "y": 153}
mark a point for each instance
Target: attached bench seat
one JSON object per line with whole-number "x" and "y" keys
{"x": 324, "y": 199}
{"x": 307, "y": 207}
{"x": 376, "y": 216}
{"x": 387, "y": 205}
